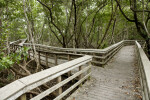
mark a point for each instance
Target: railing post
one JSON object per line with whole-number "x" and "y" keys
{"x": 46, "y": 58}
{"x": 59, "y": 78}
{"x": 60, "y": 89}
{"x": 23, "y": 97}
{"x": 55, "y": 59}
{"x": 69, "y": 58}
{"x": 103, "y": 59}
{"x": 39, "y": 48}
{"x": 80, "y": 76}
{"x": 39, "y": 57}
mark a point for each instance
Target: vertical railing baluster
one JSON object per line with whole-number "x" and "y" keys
{"x": 80, "y": 76}
{"x": 69, "y": 58}
{"x": 55, "y": 59}
{"x": 39, "y": 58}
{"x": 23, "y": 97}
{"x": 59, "y": 78}
{"x": 60, "y": 89}
{"x": 46, "y": 58}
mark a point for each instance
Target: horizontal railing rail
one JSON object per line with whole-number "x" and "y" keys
{"x": 20, "y": 87}
{"x": 144, "y": 66}
{"x": 100, "y": 56}
{"x": 46, "y": 58}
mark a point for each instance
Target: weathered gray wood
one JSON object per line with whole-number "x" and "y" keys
{"x": 46, "y": 59}
{"x": 55, "y": 57}
{"x": 60, "y": 89}
{"x": 80, "y": 68}
{"x": 28, "y": 83}
{"x": 48, "y": 91}
{"x": 108, "y": 83}
{"x": 23, "y": 97}
{"x": 69, "y": 58}
{"x": 40, "y": 75}
{"x": 72, "y": 87}
{"x": 107, "y": 53}
{"x": 10, "y": 91}
{"x": 39, "y": 56}
{"x": 144, "y": 65}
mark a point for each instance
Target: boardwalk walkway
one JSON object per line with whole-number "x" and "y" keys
{"x": 118, "y": 80}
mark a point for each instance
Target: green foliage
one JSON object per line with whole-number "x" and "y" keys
{"x": 8, "y": 60}
{"x": 5, "y": 62}
{"x": 10, "y": 76}
{"x": 14, "y": 23}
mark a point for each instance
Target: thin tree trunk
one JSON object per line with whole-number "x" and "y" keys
{"x": 112, "y": 37}
{"x": 29, "y": 27}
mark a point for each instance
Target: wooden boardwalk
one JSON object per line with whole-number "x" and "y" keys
{"x": 124, "y": 77}
{"x": 118, "y": 80}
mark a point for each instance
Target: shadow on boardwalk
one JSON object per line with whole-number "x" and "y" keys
{"x": 118, "y": 80}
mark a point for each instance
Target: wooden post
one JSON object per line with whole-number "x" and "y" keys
{"x": 60, "y": 89}
{"x": 69, "y": 58}
{"x": 39, "y": 48}
{"x": 39, "y": 58}
{"x": 23, "y": 97}
{"x": 59, "y": 78}
{"x": 55, "y": 59}
{"x": 103, "y": 60}
{"x": 80, "y": 76}
{"x": 46, "y": 58}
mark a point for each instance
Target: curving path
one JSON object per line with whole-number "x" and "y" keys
{"x": 118, "y": 80}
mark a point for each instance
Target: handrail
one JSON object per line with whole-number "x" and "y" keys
{"x": 100, "y": 56}
{"x": 21, "y": 86}
{"x": 18, "y": 41}
{"x": 144, "y": 66}
{"x": 74, "y": 49}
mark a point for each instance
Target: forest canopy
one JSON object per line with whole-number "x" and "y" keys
{"x": 75, "y": 23}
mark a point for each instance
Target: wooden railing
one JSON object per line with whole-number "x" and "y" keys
{"x": 20, "y": 87}
{"x": 144, "y": 66}
{"x": 100, "y": 56}
{"x": 46, "y": 58}
{"x": 17, "y": 44}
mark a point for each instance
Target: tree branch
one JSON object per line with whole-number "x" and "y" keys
{"x": 55, "y": 34}
{"x": 51, "y": 16}
{"x": 123, "y": 12}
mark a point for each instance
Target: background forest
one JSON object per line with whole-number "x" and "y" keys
{"x": 74, "y": 23}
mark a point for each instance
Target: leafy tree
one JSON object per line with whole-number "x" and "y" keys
{"x": 139, "y": 14}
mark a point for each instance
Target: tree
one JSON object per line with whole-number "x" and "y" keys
{"x": 140, "y": 16}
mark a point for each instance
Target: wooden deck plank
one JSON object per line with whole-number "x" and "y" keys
{"x": 116, "y": 81}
